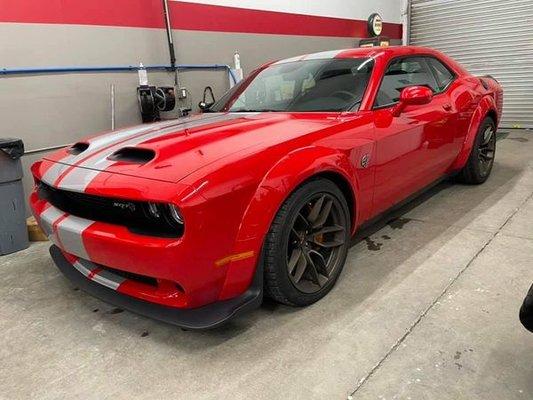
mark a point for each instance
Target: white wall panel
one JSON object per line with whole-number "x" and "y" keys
{"x": 390, "y": 10}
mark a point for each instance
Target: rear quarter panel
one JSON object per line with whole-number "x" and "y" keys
{"x": 483, "y": 102}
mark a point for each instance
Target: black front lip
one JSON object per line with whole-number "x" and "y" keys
{"x": 206, "y": 317}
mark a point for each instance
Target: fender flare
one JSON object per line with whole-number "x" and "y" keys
{"x": 486, "y": 105}
{"x": 277, "y": 185}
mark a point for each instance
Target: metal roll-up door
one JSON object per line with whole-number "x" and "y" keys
{"x": 488, "y": 37}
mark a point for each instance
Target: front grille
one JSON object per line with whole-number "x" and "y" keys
{"x": 131, "y": 214}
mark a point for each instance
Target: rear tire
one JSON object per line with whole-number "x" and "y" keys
{"x": 307, "y": 244}
{"x": 479, "y": 164}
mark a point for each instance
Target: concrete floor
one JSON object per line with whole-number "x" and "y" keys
{"x": 426, "y": 308}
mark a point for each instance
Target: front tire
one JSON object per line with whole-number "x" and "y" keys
{"x": 307, "y": 244}
{"x": 479, "y": 164}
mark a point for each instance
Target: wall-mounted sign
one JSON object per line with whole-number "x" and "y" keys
{"x": 375, "y": 27}
{"x": 375, "y": 24}
{"x": 378, "y": 41}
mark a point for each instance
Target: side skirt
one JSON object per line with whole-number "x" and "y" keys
{"x": 371, "y": 226}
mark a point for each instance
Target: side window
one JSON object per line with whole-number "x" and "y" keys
{"x": 442, "y": 73}
{"x": 401, "y": 73}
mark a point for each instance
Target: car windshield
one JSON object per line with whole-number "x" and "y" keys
{"x": 301, "y": 86}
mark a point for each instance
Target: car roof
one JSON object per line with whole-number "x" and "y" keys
{"x": 390, "y": 51}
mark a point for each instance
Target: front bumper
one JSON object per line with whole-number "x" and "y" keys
{"x": 204, "y": 266}
{"x": 205, "y": 317}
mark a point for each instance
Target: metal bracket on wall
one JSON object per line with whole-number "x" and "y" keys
{"x": 46, "y": 149}
{"x": 116, "y": 68}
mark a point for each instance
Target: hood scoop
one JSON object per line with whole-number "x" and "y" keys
{"x": 78, "y": 148}
{"x": 134, "y": 155}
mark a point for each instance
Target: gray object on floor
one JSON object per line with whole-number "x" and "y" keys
{"x": 13, "y": 231}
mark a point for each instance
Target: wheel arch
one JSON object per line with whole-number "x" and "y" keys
{"x": 288, "y": 174}
{"x": 486, "y": 108}
{"x": 294, "y": 170}
{"x": 345, "y": 187}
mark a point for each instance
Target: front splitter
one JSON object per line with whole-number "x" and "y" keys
{"x": 206, "y": 317}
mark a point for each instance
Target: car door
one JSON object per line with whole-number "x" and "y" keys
{"x": 408, "y": 146}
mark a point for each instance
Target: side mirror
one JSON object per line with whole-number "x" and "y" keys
{"x": 205, "y": 104}
{"x": 413, "y": 96}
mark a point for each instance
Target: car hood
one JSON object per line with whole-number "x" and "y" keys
{"x": 171, "y": 150}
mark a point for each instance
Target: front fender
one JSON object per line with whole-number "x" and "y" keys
{"x": 279, "y": 182}
{"x": 486, "y": 105}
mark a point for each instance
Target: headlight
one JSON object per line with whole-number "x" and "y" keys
{"x": 164, "y": 214}
{"x": 175, "y": 214}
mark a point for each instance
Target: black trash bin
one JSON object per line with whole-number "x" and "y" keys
{"x": 13, "y": 231}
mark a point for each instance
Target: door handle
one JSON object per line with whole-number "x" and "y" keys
{"x": 447, "y": 106}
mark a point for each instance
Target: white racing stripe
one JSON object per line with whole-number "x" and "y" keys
{"x": 113, "y": 138}
{"x": 109, "y": 279}
{"x": 84, "y": 266}
{"x": 48, "y": 217}
{"x": 108, "y": 139}
{"x": 100, "y": 161}
{"x": 69, "y": 232}
{"x": 56, "y": 170}
{"x": 105, "y": 278}
{"x": 95, "y": 144}
{"x": 79, "y": 178}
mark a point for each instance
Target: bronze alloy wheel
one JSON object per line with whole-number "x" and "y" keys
{"x": 314, "y": 248}
{"x": 307, "y": 244}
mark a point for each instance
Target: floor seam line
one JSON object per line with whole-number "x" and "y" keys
{"x": 510, "y": 235}
{"x": 397, "y": 344}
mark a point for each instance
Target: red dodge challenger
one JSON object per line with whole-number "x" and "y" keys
{"x": 190, "y": 221}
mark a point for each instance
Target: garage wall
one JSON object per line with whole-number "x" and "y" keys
{"x": 58, "y": 109}
{"x": 489, "y": 37}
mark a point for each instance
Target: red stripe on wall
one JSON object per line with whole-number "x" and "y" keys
{"x": 188, "y": 16}
{"x": 229, "y": 19}
{"x": 134, "y": 13}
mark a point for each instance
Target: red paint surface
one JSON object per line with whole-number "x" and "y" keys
{"x": 230, "y": 178}
{"x": 187, "y": 16}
